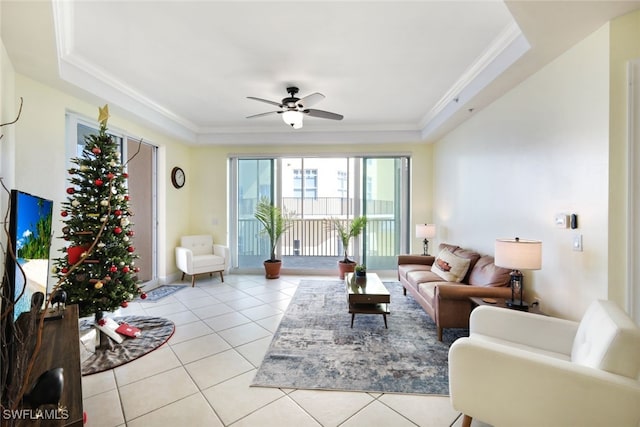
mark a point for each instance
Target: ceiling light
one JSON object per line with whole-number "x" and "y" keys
{"x": 293, "y": 118}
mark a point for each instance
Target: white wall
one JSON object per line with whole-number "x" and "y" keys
{"x": 539, "y": 150}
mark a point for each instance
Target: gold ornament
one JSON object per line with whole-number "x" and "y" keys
{"x": 98, "y": 285}
{"x": 103, "y": 114}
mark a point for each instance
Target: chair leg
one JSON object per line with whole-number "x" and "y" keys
{"x": 221, "y": 277}
{"x": 193, "y": 280}
{"x": 439, "y": 333}
{"x": 466, "y": 421}
{"x": 182, "y": 276}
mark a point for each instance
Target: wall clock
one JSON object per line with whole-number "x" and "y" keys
{"x": 177, "y": 177}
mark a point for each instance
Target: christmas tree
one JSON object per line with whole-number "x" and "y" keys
{"x": 97, "y": 271}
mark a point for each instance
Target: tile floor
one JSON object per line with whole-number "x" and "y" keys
{"x": 201, "y": 376}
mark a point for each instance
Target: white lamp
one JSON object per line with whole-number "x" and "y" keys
{"x": 426, "y": 232}
{"x": 293, "y": 118}
{"x": 518, "y": 254}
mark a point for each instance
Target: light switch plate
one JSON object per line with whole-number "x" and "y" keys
{"x": 577, "y": 242}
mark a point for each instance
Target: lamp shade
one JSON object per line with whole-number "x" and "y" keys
{"x": 425, "y": 231}
{"x": 293, "y": 118}
{"x": 519, "y": 254}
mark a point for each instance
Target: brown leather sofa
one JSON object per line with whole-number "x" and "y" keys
{"x": 448, "y": 303}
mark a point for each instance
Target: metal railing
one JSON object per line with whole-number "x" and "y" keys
{"x": 320, "y": 207}
{"x": 317, "y": 237}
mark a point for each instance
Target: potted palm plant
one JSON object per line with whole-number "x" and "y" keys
{"x": 346, "y": 231}
{"x": 274, "y": 223}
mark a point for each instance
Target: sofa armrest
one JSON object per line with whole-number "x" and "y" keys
{"x": 459, "y": 291}
{"x": 224, "y": 252}
{"x": 534, "y": 330}
{"x": 416, "y": 259}
{"x": 552, "y": 392}
{"x": 184, "y": 259}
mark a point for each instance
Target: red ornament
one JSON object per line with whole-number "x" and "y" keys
{"x": 117, "y": 230}
{"x": 96, "y": 150}
{"x": 98, "y": 182}
{"x": 117, "y": 212}
{"x": 130, "y": 233}
{"x": 126, "y": 197}
{"x": 102, "y": 322}
{"x": 113, "y": 269}
{"x": 124, "y": 304}
{"x": 110, "y": 176}
{"x": 131, "y": 249}
{"x": 125, "y": 269}
{"x": 137, "y": 269}
{"x": 64, "y": 270}
{"x": 125, "y": 175}
{"x": 71, "y": 190}
{"x": 64, "y": 213}
{"x": 143, "y": 296}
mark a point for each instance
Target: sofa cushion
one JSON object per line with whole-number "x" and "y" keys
{"x": 405, "y": 269}
{"x": 607, "y": 339}
{"x": 450, "y": 267}
{"x": 416, "y": 277}
{"x": 486, "y": 273}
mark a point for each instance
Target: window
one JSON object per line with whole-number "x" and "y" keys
{"x": 310, "y": 187}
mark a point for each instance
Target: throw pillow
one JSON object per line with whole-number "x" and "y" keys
{"x": 450, "y": 267}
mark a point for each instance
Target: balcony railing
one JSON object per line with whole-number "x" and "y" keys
{"x": 317, "y": 237}
{"x": 320, "y": 207}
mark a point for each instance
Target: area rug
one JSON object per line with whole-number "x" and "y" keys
{"x": 155, "y": 331}
{"x": 160, "y": 292}
{"x": 315, "y": 347}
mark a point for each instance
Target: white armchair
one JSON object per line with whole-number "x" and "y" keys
{"x": 198, "y": 255}
{"x": 519, "y": 368}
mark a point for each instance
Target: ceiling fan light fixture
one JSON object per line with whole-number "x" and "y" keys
{"x": 293, "y": 118}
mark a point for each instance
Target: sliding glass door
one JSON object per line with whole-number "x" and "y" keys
{"x": 384, "y": 203}
{"x": 255, "y": 179}
{"x": 314, "y": 191}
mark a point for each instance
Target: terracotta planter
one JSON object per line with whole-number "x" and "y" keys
{"x": 346, "y": 267}
{"x": 272, "y": 269}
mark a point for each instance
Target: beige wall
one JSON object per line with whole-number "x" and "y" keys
{"x": 539, "y": 150}
{"x": 625, "y": 42}
{"x": 41, "y": 160}
{"x": 207, "y": 179}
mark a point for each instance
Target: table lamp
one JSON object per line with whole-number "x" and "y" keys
{"x": 518, "y": 254}
{"x": 425, "y": 231}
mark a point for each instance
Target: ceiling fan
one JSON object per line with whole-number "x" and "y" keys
{"x": 293, "y": 109}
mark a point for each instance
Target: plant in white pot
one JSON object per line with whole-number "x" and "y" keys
{"x": 346, "y": 231}
{"x": 274, "y": 224}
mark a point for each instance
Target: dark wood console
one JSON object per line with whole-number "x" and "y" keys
{"x": 61, "y": 348}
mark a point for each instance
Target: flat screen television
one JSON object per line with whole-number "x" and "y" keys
{"x": 30, "y": 237}
{"x": 30, "y": 234}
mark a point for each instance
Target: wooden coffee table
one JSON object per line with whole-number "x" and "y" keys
{"x": 367, "y": 295}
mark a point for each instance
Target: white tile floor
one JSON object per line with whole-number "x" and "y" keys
{"x": 201, "y": 376}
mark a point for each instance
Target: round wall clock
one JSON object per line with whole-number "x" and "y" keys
{"x": 177, "y": 177}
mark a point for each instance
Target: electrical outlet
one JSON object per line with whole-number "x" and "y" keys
{"x": 537, "y": 302}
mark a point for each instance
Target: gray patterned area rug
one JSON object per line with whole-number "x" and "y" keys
{"x": 315, "y": 347}
{"x": 158, "y": 293}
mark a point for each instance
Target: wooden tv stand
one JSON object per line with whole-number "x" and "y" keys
{"x": 61, "y": 349}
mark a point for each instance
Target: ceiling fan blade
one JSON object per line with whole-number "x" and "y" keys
{"x": 264, "y": 114}
{"x": 323, "y": 114}
{"x": 310, "y": 100}
{"x": 265, "y": 100}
